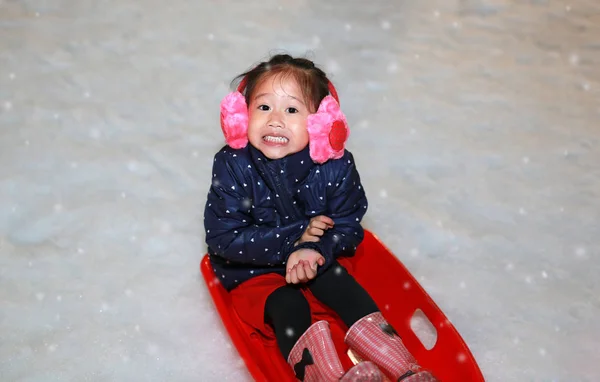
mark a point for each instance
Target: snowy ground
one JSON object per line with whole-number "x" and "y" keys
{"x": 475, "y": 126}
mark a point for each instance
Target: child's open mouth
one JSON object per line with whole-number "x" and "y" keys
{"x": 270, "y": 139}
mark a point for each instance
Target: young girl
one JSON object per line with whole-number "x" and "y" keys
{"x": 282, "y": 217}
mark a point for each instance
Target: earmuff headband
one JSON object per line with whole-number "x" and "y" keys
{"x": 242, "y": 86}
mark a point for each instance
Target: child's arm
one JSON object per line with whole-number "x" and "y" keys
{"x": 231, "y": 231}
{"x": 346, "y": 205}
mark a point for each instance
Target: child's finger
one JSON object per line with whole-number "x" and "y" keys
{"x": 300, "y": 271}
{"x": 308, "y": 237}
{"x": 326, "y": 219}
{"x": 294, "y": 275}
{"x": 315, "y": 231}
{"x": 310, "y": 271}
{"x": 318, "y": 225}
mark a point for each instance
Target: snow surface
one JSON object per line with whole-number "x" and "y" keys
{"x": 475, "y": 125}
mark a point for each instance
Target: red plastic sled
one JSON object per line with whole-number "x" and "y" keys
{"x": 394, "y": 290}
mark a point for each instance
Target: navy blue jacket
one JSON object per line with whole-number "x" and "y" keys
{"x": 258, "y": 208}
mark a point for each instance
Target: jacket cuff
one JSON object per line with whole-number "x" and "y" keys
{"x": 308, "y": 245}
{"x": 305, "y": 245}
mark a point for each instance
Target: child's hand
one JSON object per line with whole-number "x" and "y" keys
{"x": 316, "y": 228}
{"x": 302, "y": 265}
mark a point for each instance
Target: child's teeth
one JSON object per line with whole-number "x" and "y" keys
{"x": 276, "y": 139}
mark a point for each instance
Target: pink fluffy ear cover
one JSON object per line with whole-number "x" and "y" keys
{"x": 234, "y": 120}
{"x": 327, "y": 131}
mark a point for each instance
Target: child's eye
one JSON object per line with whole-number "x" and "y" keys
{"x": 292, "y": 110}
{"x": 263, "y": 108}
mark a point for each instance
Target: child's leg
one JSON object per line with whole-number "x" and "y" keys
{"x": 309, "y": 349}
{"x": 288, "y": 312}
{"x": 370, "y": 335}
{"x": 341, "y": 292}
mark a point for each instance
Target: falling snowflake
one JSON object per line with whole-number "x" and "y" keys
{"x": 11, "y": 76}
{"x": 385, "y": 25}
{"x": 210, "y": 37}
{"x": 525, "y": 160}
{"x": 95, "y": 133}
{"x": 332, "y": 67}
{"x": 165, "y": 228}
{"x": 152, "y": 349}
{"x": 574, "y": 59}
{"x": 383, "y": 194}
{"x": 544, "y": 274}
{"x": 542, "y": 352}
{"x": 461, "y": 357}
{"x": 462, "y": 285}
{"x": 510, "y": 266}
{"x": 392, "y": 67}
{"x": 414, "y": 252}
{"x": 348, "y": 27}
{"x": 8, "y": 105}
{"x": 338, "y": 270}
{"x": 289, "y": 332}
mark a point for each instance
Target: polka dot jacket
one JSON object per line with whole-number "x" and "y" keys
{"x": 258, "y": 208}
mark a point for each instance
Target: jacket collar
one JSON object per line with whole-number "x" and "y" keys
{"x": 294, "y": 167}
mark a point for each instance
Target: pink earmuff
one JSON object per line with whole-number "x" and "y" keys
{"x": 327, "y": 128}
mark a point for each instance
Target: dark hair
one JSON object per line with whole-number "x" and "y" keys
{"x": 312, "y": 81}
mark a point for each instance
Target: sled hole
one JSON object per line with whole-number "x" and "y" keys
{"x": 423, "y": 329}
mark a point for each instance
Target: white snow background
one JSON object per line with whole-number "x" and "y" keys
{"x": 475, "y": 126}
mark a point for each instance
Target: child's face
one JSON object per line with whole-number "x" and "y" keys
{"x": 277, "y": 124}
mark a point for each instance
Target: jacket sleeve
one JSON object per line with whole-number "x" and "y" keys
{"x": 231, "y": 232}
{"x": 346, "y": 205}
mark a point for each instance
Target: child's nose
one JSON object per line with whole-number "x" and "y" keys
{"x": 276, "y": 120}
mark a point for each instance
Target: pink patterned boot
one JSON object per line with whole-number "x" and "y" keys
{"x": 314, "y": 359}
{"x": 373, "y": 339}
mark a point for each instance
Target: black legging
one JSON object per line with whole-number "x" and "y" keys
{"x": 288, "y": 312}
